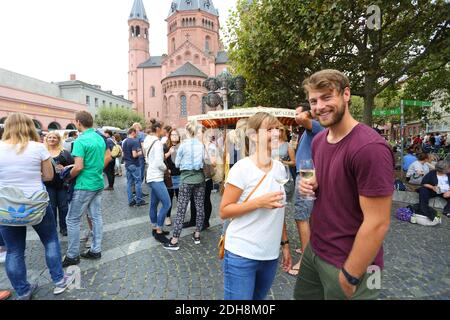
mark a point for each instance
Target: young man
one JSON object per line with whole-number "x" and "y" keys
{"x": 303, "y": 207}
{"x": 132, "y": 151}
{"x": 110, "y": 167}
{"x": 354, "y": 186}
{"x": 89, "y": 153}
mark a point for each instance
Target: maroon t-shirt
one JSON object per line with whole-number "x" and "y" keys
{"x": 360, "y": 164}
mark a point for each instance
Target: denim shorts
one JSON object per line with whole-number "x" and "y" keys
{"x": 303, "y": 208}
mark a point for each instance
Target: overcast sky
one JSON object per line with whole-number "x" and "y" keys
{"x": 51, "y": 39}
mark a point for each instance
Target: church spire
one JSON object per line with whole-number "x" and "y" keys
{"x": 138, "y": 11}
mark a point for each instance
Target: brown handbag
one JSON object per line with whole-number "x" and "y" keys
{"x": 221, "y": 244}
{"x": 168, "y": 179}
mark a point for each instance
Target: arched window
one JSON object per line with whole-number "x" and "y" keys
{"x": 183, "y": 102}
{"x": 173, "y": 44}
{"x": 196, "y": 59}
{"x": 207, "y": 43}
{"x": 187, "y": 56}
{"x": 189, "y": 83}
{"x": 132, "y": 31}
{"x": 138, "y": 31}
{"x": 152, "y": 92}
{"x": 183, "y": 22}
{"x": 37, "y": 124}
{"x": 146, "y": 33}
{"x": 194, "y": 83}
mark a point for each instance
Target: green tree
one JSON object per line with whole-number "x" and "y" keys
{"x": 275, "y": 44}
{"x": 118, "y": 117}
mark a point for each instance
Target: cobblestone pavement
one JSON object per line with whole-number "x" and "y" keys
{"x": 134, "y": 266}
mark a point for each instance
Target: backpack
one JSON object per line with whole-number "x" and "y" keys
{"x": 404, "y": 214}
{"x": 17, "y": 210}
{"x": 116, "y": 151}
{"x": 399, "y": 185}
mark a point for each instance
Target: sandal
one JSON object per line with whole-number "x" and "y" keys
{"x": 294, "y": 271}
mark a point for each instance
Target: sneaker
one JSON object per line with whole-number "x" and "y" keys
{"x": 196, "y": 239}
{"x": 170, "y": 246}
{"x": 2, "y": 257}
{"x": 132, "y": 203}
{"x": 140, "y": 204}
{"x": 165, "y": 233}
{"x": 161, "y": 238}
{"x": 61, "y": 286}
{"x": 91, "y": 255}
{"x": 168, "y": 221}
{"x": 109, "y": 189}
{"x": 70, "y": 262}
{"x": 30, "y": 293}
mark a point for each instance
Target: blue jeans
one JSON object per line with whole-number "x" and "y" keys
{"x": 2, "y": 242}
{"x": 246, "y": 279}
{"x": 15, "y": 239}
{"x": 159, "y": 194}
{"x": 134, "y": 179}
{"x": 82, "y": 200}
{"x": 60, "y": 205}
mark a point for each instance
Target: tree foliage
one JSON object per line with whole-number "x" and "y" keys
{"x": 118, "y": 117}
{"x": 275, "y": 44}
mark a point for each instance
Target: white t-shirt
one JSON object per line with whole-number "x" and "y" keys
{"x": 255, "y": 235}
{"x": 416, "y": 172}
{"x": 443, "y": 183}
{"x": 22, "y": 170}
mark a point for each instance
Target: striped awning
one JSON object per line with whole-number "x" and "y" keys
{"x": 216, "y": 119}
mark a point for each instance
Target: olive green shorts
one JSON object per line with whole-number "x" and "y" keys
{"x": 319, "y": 280}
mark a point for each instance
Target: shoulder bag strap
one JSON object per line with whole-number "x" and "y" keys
{"x": 254, "y": 189}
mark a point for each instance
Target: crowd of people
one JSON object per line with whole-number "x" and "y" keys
{"x": 342, "y": 206}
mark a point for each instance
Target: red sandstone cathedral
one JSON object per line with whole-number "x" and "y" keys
{"x": 171, "y": 87}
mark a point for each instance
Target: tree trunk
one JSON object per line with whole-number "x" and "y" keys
{"x": 368, "y": 107}
{"x": 369, "y": 99}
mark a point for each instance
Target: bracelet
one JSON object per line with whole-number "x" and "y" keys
{"x": 283, "y": 243}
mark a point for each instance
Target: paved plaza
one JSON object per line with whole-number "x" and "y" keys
{"x": 136, "y": 267}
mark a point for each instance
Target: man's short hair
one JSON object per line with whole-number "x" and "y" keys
{"x": 327, "y": 79}
{"x": 441, "y": 166}
{"x": 85, "y": 119}
{"x": 131, "y": 130}
{"x": 72, "y": 134}
{"x": 109, "y": 132}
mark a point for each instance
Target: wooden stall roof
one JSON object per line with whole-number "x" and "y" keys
{"x": 216, "y": 119}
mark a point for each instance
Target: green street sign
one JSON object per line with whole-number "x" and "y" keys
{"x": 386, "y": 112}
{"x": 417, "y": 103}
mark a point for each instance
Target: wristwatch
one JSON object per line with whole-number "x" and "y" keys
{"x": 352, "y": 280}
{"x": 284, "y": 242}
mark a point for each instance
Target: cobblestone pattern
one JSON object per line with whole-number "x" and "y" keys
{"x": 417, "y": 261}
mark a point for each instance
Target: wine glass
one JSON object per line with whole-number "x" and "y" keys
{"x": 282, "y": 178}
{"x": 307, "y": 173}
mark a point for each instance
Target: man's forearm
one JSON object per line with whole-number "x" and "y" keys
{"x": 75, "y": 172}
{"x": 368, "y": 242}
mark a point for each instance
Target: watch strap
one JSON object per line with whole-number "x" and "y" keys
{"x": 352, "y": 280}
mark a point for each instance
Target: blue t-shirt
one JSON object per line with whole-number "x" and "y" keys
{"x": 110, "y": 143}
{"x": 408, "y": 160}
{"x": 128, "y": 146}
{"x": 304, "y": 148}
{"x": 141, "y": 137}
{"x": 437, "y": 141}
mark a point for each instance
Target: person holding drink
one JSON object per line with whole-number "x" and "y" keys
{"x": 253, "y": 200}
{"x": 353, "y": 184}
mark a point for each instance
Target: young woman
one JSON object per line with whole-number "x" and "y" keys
{"x": 190, "y": 157}
{"x": 24, "y": 164}
{"x": 252, "y": 200}
{"x": 55, "y": 188}
{"x": 170, "y": 154}
{"x": 154, "y": 155}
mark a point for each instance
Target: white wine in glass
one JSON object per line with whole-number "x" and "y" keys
{"x": 282, "y": 178}
{"x": 307, "y": 173}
